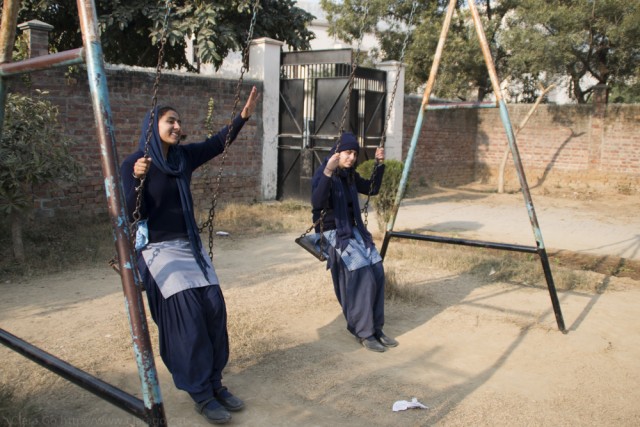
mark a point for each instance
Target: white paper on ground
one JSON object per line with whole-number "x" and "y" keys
{"x": 401, "y": 405}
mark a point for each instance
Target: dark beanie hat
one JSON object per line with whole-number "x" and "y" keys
{"x": 348, "y": 141}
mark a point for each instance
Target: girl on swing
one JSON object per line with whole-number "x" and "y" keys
{"x": 183, "y": 291}
{"x": 355, "y": 264}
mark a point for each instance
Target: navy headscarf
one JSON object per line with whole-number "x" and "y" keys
{"x": 340, "y": 194}
{"x": 174, "y": 165}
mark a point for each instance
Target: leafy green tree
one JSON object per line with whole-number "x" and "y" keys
{"x": 532, "y": 42}
{"x": 590, "y": 42}
{"x": 131, "y": 28}
{"x": 462, "y": 73}
{"x": 33, "y": 153}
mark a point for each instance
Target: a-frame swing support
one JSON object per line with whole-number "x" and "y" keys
{"x": 150, "y": 408}
{"x": 506, "y": 121}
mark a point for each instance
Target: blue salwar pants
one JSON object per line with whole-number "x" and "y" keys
{"x": 360, "y": 294}
{"x": 194, "y": 344}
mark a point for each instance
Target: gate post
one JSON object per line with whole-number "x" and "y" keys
{"x": 264, "y": 65}
{"x": 393, "y": 144}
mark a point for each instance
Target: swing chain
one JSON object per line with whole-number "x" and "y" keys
{"x": 354, "y": 66}
{"x": 208, "y": 224}
{"x": 345, "y": 109}
{"x": 137, "y": 215}
{"x": 365, "y": 207}
{"x": 154, "y": 102}
{"x": 395, "y": 84}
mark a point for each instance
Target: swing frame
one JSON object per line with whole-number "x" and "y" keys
{"x": 539, "y": 249}
{"x": 150, "y": 408}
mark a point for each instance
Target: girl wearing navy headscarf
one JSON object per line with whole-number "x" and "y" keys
{"x": 355, "y": 264}
{"x": 183, "y": 291}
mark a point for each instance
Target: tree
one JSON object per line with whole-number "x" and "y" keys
{"x": 590, "y": 42}
{"x": 33, "y": 152}
{"x": 532, "y": 42}
{"x": 462, "y": 74}
{"x": 130, "y": 29}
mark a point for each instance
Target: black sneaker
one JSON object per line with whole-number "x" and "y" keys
{"x": 228, "y": 400}
{"x": 386, "y": 341}
{"x": 213, "y": 411}
{"x": 372, "y": 344}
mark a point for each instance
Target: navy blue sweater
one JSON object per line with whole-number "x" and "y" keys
{"x": 161, "y": 202}
{"x": 321, "y": 197}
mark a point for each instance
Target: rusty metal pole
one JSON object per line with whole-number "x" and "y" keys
{"x": 418, "y": 127}
{"x": 132, "y": 293}
{"x": 506, "y": 122}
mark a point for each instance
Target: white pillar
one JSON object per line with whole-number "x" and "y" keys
{"x": 393, "y": 144}
{"x": 264, "y": 65}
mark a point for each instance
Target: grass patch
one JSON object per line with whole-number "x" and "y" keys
{"x": 262, "y": 218}
{"x": 70, "y": 241}
{"x": 489, "y": 265}
{"x": 75, "y": 242}
{"x": 397, "y": 291}
{"x": 57, "y": 244}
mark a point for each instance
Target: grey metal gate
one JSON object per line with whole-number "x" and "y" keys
{"x": 313, "y": 92}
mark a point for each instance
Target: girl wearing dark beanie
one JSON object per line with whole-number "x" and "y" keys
{"x": 355, "y": 264}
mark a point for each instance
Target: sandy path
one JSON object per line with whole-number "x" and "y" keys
{"x": 475, "y": 352}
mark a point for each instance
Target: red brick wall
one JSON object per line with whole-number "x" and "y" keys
{"x": 566, "y": 146}
{"x": 130, "y": 94}
{"x": 446, "y": 149}
{"x": 572, "y": 146}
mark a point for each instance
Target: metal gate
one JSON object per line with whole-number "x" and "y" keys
{"x": 313, "y": 92}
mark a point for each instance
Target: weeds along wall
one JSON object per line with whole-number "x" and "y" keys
{"x": 130, "y": 94}
{"x": 580, "y": 147}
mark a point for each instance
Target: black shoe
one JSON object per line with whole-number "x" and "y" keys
{"x": 372, "y": 344}
{"x": 228, "y": 400}
{"x": 387, "y": 341}
{"x": 213, "y": 411}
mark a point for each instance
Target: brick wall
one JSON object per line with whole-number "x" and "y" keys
{"x": 582, "y": 147}
{"x": 130, "y": 94}
{"x": 446, "y": 148}
{"x": 560, "y": 146}
{"x": 573, "y": 146}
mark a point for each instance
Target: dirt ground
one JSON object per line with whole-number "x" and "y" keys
{"x": 476, "y": 352}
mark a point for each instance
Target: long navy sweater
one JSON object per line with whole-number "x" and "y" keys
{"x": 321, "y": 198}
{"x": 161, "y": 200}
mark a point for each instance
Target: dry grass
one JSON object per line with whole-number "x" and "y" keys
{"x": 69, "y": 242}
{"x": 486, "y": 264}
{"x": 73, "y": 242}
{"x": 263, "y": 218}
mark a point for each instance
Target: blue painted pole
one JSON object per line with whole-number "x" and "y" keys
{"x": 132, "y": 292}
{"x": 506, "y": 122}
{"x": 406, "y": 170}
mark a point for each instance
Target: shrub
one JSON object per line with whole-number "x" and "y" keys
{"x": 33, "y": 152}
{"x": 384, "y": 200}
